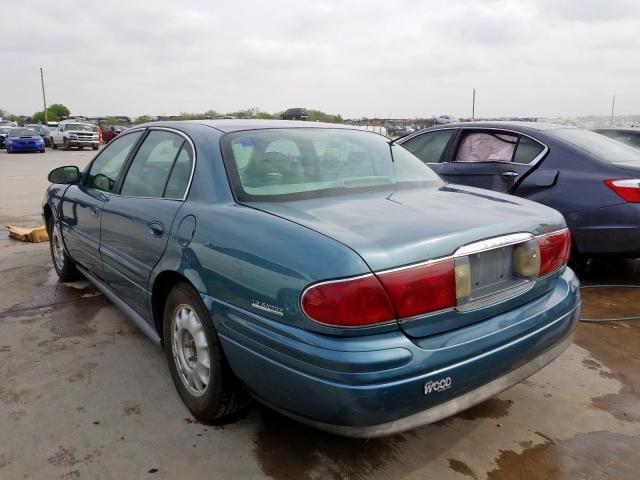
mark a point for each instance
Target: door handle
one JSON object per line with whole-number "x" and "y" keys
{"x": 509, "y": 175}
{"x": 156, "y": 229}
{"x": 93, "y": 211}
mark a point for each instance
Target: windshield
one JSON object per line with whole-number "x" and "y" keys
{"x": 82, "y": 127}
{"x": 22, "y": 132}
{"x": 598, "y": 145}
{"x": 4, "y": 129}
{"x": 288, "y": 164}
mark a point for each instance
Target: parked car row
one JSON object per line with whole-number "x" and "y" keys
{"x": 321, "y": 269}
{"x": 592, "y": 180}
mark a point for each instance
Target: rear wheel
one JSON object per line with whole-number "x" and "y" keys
{"x": 65, "y": 267}
{"x": 197, "y": 364}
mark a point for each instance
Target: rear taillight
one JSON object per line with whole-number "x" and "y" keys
{"x": 421, "y": 289}
{"x": 555, "y": 250}
{"x": 627, "y": 188}
{"x": 354, "y": 302}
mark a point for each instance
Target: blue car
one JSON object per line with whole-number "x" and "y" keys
{"x": 592, "y": 180}
{"x": 23, "y": 140}
{"x": 319, "y": 269}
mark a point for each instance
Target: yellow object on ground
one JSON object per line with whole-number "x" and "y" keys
{"x": 35, "y": 235}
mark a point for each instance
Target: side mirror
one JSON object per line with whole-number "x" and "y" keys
{"x": 68, "y": 175}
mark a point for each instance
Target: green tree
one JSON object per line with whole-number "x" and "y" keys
{"x": 319, "y": 116}
{"x": 55, "y": 113}
{"x": 142, "y": 119}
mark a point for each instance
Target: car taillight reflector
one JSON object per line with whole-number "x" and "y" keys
{"x": 555, "y": 250}
{"x": 627, "y": 188}
{"x": 355, "y": 302}
{"x": 421, "y": 289}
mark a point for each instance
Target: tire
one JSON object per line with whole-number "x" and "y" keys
{"x": 65, "y": 144}
{"x": 80, "y": 147}
{"x": 53, "y": 145}
{"x": 9, "y": 149}
{"x": 65, "y": 267}
{"x": 42, "y": 151}
{"x": 95, "y": 148}
{"x": 215, "y": 393}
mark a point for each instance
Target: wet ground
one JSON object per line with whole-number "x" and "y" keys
{"x": 84, "y": 395}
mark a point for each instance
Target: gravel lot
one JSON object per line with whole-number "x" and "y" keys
{"x": 84, "y": 395}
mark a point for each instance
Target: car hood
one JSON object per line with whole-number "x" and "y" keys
{"x": 394, "y": 228}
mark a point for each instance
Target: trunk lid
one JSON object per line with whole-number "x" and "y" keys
{"x": 389, "y": 229}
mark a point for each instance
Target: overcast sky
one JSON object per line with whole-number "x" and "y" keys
{"x": 358, "y": 58}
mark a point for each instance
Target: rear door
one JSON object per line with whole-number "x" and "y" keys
{"x": 486, "y": 158}
{"x": 81, "y": 206}
{"x": 137, "y": 221}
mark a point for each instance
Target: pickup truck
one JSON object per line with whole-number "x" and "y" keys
{"x": 75, "y": 134}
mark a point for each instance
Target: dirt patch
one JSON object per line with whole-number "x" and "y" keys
{"x": 584, "y": 456}
{"x": 288, "y": 450}
{"x": 131, "y": 408}
{"x": 461, "y": 468}
{"x": 492, "y": 408}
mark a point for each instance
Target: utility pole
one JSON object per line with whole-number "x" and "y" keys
{"x": 613, "y": 105}
{"x": 473, "y": 106}
{"x": 44, "y": 98}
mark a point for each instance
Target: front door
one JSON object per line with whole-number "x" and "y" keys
{"x": 82, "y": 205}
{"x": 136, "y": 222}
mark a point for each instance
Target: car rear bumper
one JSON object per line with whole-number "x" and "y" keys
{"x": 375, "y": 385}
{"x": 611, "y": 230}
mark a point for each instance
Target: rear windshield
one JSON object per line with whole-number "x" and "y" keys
{"x": 598, "y": 145}
{"x": 22, "y": 132}
{"x": 287, "y": 164}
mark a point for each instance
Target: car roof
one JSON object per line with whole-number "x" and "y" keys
{"x": 618, "y": 129}
{"x": 227, "y": 126}
{"x": 538, "y": 126}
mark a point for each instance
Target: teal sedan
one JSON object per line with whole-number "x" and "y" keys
{"x": 319, "y": 269}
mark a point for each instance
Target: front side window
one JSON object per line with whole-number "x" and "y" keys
{"x": 150, "y": 169}
{"x": 487, "y": 147}
{"x": 106, "y": 168}
{"x": 287, "y": 164}
{"x": 430, "y": 146}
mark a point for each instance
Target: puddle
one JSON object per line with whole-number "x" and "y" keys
{"x": 288, "y": 450}
{"x": 585, "y": 456}
{"x": 55, "y": 294}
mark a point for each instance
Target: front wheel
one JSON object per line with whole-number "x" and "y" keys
{"x": 95, "y": 148}
{"x": 65, "y": 144}
{"x": 53, "y": 145}
{"x": 197, "y": 364}
{"x": 65, "y": 267}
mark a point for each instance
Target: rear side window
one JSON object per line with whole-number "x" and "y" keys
{"x": 429, "y": 147}
{"x": 527, "y": 150}
{"x": 180, "y": 174}
{"x": 597, "y": 145}
{"x": 106, "y": 167}
{"x": 150, "y": 169}
{"x": 487, "y": 147}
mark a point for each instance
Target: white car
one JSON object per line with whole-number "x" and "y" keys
{"x": 75, "y": 134}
